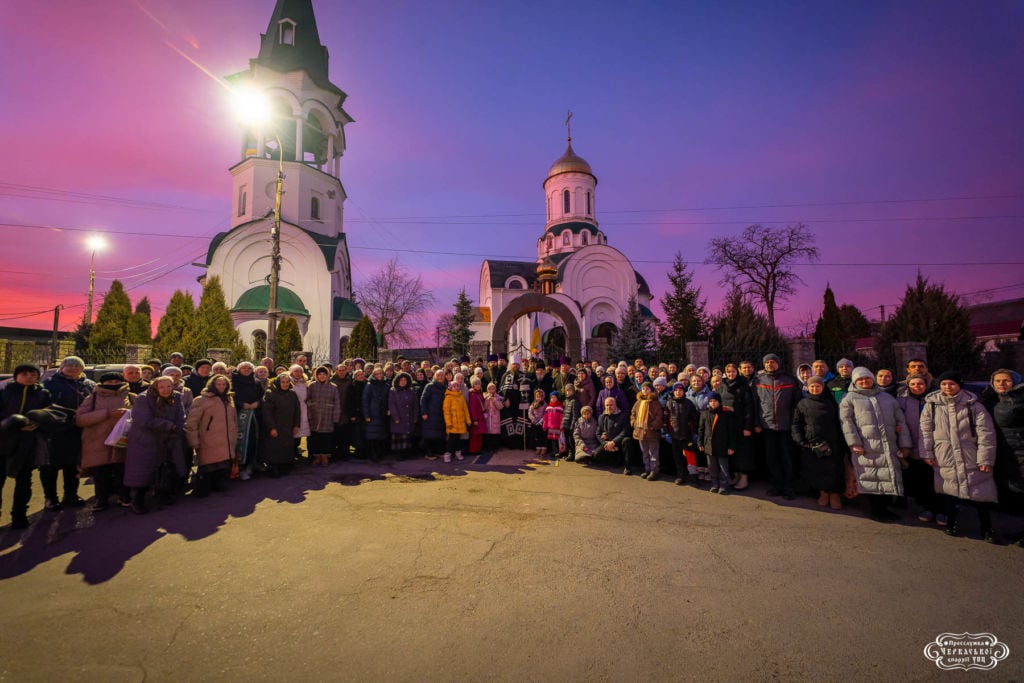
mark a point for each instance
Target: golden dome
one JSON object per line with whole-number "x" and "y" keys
{"x": 570, "y": 163}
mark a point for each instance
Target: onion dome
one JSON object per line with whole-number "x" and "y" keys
{"x": 570, "y": 162}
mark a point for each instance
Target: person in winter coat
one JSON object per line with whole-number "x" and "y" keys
{"x": 476, "y": 414}
{"x": 403, "y": 414}
{"x": 183, "y": 392}
{"x": 570, "y": 413}
{"x": 613, "y": 390}
{"x": 840, "y": 385}
{"x": 493, "y": 403}
{"x": 432, "y": 415}
{"x": 554, "y": 414}
{"x": 248, "y": 394}
{"x": 876, "y": 431}
{"x": 456, "y": 421}
{"x": 1005, "y": 401}
{"x": 375, "y": 413}
{"x": 300, "y": 385}
{"x": 18, "y": 440}
{"x": 585, "y": 437}
{"x": 717, "y": 437}
{"x": 535, "y": 413}
{"x": 646, "y": 419}
{"x": 776, "y": 395}
{"x": 157, "y": 435}
{"x": 280, "y": 418}
{"x": 324, "y": 414}
{"x": 818, "y": 432}
{"x": 959, "y": 442}
{"x": 68, "y": 389}
{"x": 212, "y": 430}
{"x": 736, "y": 396}
{"x": 611, "y": 431}
{"x": 585, "y": 392}
{"x": 919, "y": 477}
{"x": 97, "y": 416}
{"x": 683, "y": 421}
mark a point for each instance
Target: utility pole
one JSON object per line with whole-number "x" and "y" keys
{"x": 54, "y": 346}
{"x": 275, "y": 256}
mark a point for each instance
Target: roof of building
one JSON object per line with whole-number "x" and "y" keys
{"x": 570, "y": 162}
{"x": 345, "y": 310}
{"x": 997, "y": 311}
{"x": 644, "y": 288}
{"x": 257, "y": 300}
{"x": 646, "y": 312}
{"x": 501, "y": 271}
{"x": 328, "y": 245}
{"x": 307, "y": 53}
{"x": 575, "y": 226}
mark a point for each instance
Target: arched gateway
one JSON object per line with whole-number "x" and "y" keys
{"x": 524, "y": 304}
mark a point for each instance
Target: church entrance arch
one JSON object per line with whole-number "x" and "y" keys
{"x": 530, "y": 303}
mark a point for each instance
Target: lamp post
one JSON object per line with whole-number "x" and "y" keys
{"x": 254, "y": 109}
{"x": 95, "y": 243}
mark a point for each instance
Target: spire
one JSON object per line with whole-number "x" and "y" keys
{"x": 568, "y": 128}
{"x": 292, "y": 43}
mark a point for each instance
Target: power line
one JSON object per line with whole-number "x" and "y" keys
{"x": 58, "y": 195}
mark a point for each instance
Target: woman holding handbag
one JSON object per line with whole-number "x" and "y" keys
{"x": 155, "y": 453}
{"x": 97, "y": 416}
{"x": 212, "y": 430}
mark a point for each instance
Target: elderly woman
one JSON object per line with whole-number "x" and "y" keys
{"x": 585, "y": 435}
{"x": 324, "y": 412}
{"x": 818, "y": 432}
{"x": 179, "y": 387}
{"x": 403, "y": 414}
{"x": 301, "y": 388}
{"x": 157, "y": 436}
{"x": 959, "y": 442}
{"x": 212, "y": 430}
{"x": 97, "y": 417}
{"x": 375, "y": 413}
{"x": 432, "y": 415}
{"x": 876, "y": 432}
{"x": 248, "y": 394}
{"x": 281, "y": 417}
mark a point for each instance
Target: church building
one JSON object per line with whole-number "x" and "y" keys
{"x": 306, "y": 135}
{"x": 577, "y": 290}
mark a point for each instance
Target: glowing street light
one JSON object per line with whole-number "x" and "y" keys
{"x": 252, "y": 107}
{"x": 94, "y": 243}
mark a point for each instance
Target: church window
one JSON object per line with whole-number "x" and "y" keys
{"x": 565, "y": 201}
{"x": 286, "y": 34}
{"x": 550, "y": 242}
{"x": 588, "y": 203}
{"x": 566, "y": 239}
{"x": 242, "y": 197}
{"x": 314, "y": 208}
{"x": 585, "y": 237}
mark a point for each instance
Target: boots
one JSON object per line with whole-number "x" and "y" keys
{"x": 823, "y": 499}
{"x": 834, "y": 501}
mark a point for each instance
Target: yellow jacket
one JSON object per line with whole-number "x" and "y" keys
{"x": 456, "y": 412}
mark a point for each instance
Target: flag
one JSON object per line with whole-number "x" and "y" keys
{"x": 535, "y": 349}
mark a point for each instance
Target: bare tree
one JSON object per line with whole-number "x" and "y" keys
{"x": 395, "y": 301}
{"x": 759, "y": 261}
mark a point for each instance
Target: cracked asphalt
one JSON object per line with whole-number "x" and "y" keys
{"x": 504, "y": 571}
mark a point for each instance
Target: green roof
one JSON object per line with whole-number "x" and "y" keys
{"x": 257, "y": 300}
{"x": 328, "y": 245}
{"x": 345, "y": 310}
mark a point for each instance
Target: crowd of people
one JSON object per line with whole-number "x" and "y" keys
{"x": 154, "y": 431}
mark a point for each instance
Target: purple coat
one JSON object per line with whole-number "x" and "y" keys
{"x": 403, "y": 406}
{"x": 157, "y": 433}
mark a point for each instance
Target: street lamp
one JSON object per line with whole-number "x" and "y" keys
{"x": 94, "y": 244}
{"x": 253, "y": 108}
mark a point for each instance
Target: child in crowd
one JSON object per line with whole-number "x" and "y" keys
{"x": 717, "y": 439}
{"x": 553, "y": 415}
{"x": 535, "y": 414}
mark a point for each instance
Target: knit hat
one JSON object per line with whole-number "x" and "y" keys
{"x": 952, "y": 376}
{"x": 771, "y": 356}
{"x": 553, "y": 394}
{"x": 27, "y": 367}
{"x": 322, "y": 370}
{"x": 844, "y": 362}
{"x": 111, "y": 377}
{"x": 861, "y": 373}
{"x": 660, "y": 382}
{"x": 815, "y": 380}
{"x": 203, "y": 361}
{"x": 678, "y": 385}
{"x": 715, "y": 396}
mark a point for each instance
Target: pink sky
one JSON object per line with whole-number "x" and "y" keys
{"x": 680, "y": 109}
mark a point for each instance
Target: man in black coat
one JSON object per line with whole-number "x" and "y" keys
{"x": 196, "y": 382}
{"x": 776, "y": 396}
{"x": 17, "y": 437}
{"x": 68, "y": 389}
{"x": 342, "y": 430}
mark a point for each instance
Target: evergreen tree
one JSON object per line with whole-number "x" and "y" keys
{"x": 289, "y": 340}
{"x": 363, "y": 342}
{"x": 635, "y": 337}
{"x": 173, "y": 330}
{"x": 930, "y": 314}
{"x": 211, "y": 326}
{"x": 459, "y": 334}
{"x": 739, "y": 332}
{"x": 854, "y": 322}
{"x": 108, "y": 336}
{"x": 830, "y": 338}
{"x": 685, "y": 313}
{"x": 140, "y": 325}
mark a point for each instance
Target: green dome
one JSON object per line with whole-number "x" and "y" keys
{"x": 257, "y": 299}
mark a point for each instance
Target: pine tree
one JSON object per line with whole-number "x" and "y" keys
{"x": 854, "y": 322}
{"x": 108, "y": 336}
{"x": 830, "y": 338}
{"x": 460, "y": 334}
{"x": 363, "y": 342}
{"x": 173, "y": 330}
{"x": 211, "y": 326}
{"x": 930, "y": 314}
{"x": 635, "y": 337}
{"x": 140, "y": 325}
{"x": 289, "y": 340}
{"x": 686, "y": 317}
{"x": 739, "y": 332}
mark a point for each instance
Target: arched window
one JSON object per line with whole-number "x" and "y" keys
{"x": 242, "y": 197}
{"x": 585, "y": 237}
{"x": 565, "y": 201}
{"x": 314, "y": 208}
{"x": 566, "y": 239}
{"x": 287, "y": 32}
{"x": 551, "y": 242}
{"x": 588, "y": 203}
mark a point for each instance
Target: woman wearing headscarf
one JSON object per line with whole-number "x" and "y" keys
{"x": 432, "y": 415}
{"x": 375, "y": 413}
{"x": 324, "y": 403}
{"x": 876, "y": 431}
{"x": 248, "y": 394}
{"x": 97, "y": 416}
{"x": 959, "y": 442}
{"x": 212, "y": 430}
{"x": 818, "y": 432}
{"x": 403, "y": 414}
{"x": 157, "y": 435}
{"x": 281, "y": 416}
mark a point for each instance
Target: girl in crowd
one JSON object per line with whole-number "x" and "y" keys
{"x": 476, "y": 416}
{"x": 535, "y": 414}
{"x": 493, "y": 403}
{"x": 554, "y": 412}
{"x": 456, "y": 421}
{"x": 716, "y": 439}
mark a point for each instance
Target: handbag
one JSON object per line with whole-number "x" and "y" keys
{"x": 820, "y": 449}
{"x": 118, "y": 437}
